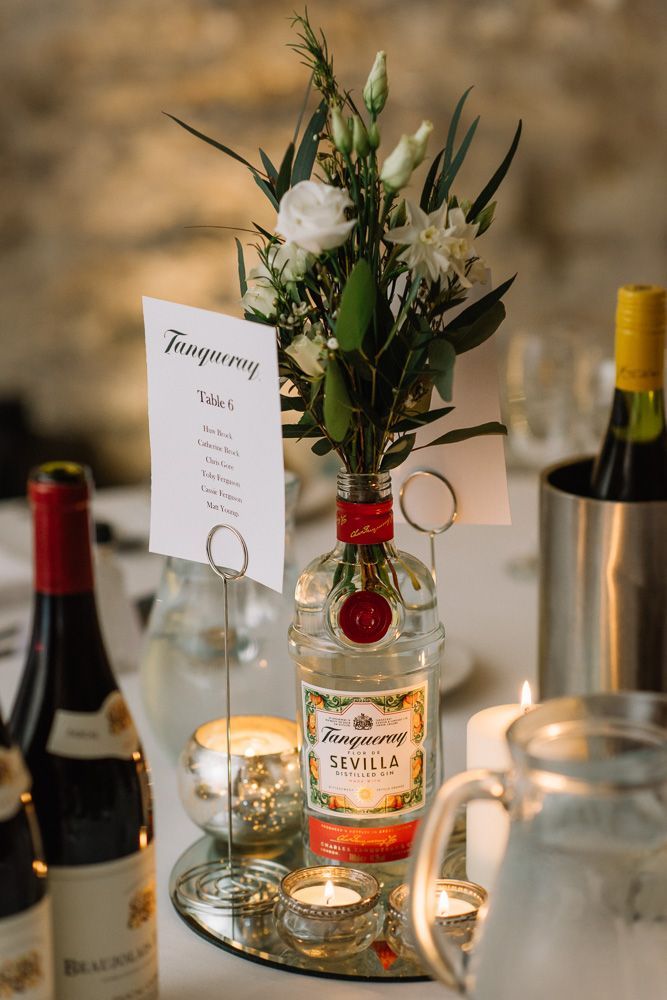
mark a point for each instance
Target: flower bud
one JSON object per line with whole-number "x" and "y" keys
{"x": 360, "y": 140}
{"x": 376, "y": 89}
{"x": 341, "y": 134}
{"x": 397, "y": 168}
{"x": 374, "y": 135}
{"x": 420, "y": 139}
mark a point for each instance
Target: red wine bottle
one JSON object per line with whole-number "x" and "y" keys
{"x": 26, "y": 948}
{"x": 90, "y": 782}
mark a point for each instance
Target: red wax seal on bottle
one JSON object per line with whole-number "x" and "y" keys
{"x": 365, "y": 616}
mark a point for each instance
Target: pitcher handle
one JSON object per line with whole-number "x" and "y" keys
{"x": 435, "y": 830}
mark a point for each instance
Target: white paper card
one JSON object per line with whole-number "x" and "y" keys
{"x": 216, "y": 440}
{"x": 475, "y": 468}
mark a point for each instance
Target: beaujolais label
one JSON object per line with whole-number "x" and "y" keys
{"x": 105, "y": 929}
{"x": 26, "y": 954}
{"x": 109, "y": 732}
{"x": 366, "y": 761}
{"x": 14, "y": 781}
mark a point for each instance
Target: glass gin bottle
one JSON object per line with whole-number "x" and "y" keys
{"x": 367, "y": 643}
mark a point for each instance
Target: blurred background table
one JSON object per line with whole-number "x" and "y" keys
{"x": 487, "y": 589}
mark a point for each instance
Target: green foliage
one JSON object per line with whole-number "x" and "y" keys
{"x": 377, "y": 326}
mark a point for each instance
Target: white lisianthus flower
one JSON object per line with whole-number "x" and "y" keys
{"x": 260, "y": 294}
{"x": 411, "y": 149}
{"x": 289, "y": 261}
{"x": 397, "y": 168}
{"x": 457, "y": 243}
{"x": 312, "y": 215}
{"x": 376, "y": 88}
{"x": 306, "y": 353}
{"x": 422, "y": 238}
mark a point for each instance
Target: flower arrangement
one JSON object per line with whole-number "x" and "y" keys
{"x": 358, "y": 279}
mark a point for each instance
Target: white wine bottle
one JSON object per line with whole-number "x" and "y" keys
{"x": 26, "y": 946}
{"x": 632, "y": 464}
{"x": 90, "y": 782}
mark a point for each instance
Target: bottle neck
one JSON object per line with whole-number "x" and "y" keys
{"x": 63, "y": 560}
{"x": 364, "y": 514}
{"x": 640, "y": 360}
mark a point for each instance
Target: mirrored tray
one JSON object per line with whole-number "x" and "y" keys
{"x": 254, "y": 937}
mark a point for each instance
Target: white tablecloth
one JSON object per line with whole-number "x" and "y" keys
{"x": 491, "y": 610}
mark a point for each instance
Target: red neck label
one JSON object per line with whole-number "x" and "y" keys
{"x": 364, "y": 523}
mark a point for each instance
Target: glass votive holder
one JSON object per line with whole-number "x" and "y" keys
{"x": 266, "y": 780}
{"x": 458, "y": 904}
{"x": 329, "y": 912}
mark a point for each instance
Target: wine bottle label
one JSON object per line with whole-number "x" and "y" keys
{"x": 105, "y": 929}
{"x": 364, "y": 523}
{"x": 109, "y": 732}
{"x": 365, "y": 751}
{"x": 14, "y": 781}
{"x": 26, "y": 954}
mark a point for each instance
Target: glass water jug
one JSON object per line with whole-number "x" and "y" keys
{"x": 579, "y": 909}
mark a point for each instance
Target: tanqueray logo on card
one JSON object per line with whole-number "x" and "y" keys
{"x": 177, "y": 343}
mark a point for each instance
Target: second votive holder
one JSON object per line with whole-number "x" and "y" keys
{"x": 329, "y": 912}
{"x": 458, "y": 904}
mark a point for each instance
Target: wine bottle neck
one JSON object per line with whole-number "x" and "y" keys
{"x": 638, "y": 416}
{"x": 62, "y": 549}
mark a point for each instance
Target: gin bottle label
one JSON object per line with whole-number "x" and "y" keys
{"x": 366, "y": 761}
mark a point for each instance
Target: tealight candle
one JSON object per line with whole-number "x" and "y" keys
{"x": 488, "y": 822}
{"x": 329, "y": 912}
{"x": 266, "y": 785}
{"x": 457, "y": 905}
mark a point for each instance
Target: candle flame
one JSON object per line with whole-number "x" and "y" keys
{"x": 329, "y": 893}
{"x": 443, "y": 903}
{"x": 250, "y": 750}
{"x": 526, "y": 696}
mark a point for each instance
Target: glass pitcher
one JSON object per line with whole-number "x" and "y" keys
{"x": 579, "y": 909}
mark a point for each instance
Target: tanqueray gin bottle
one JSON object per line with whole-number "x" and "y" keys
{"x": 367, "y": 643}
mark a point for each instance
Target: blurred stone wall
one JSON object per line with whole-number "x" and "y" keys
{"x": 99, "y": 191}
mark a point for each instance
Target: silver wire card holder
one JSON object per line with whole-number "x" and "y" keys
{"x": 229, "y": 885}
{"x": 431, "y": 530}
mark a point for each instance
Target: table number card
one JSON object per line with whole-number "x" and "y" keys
{"x": 215, "y": 433}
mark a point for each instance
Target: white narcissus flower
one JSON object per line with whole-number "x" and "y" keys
{"x": 457, "y": 243}
{"x": 306, "y": 353}
{"x": 422, "y": 238}
{"x": 312, "y": 215}
{"x": 260, "y": 295}
{"x": 478, "y": 272}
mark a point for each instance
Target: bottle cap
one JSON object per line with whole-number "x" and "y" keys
{"x": 640, "y": 309}
{"x": 61, "y": 484}
{"x": 59, "y": 494}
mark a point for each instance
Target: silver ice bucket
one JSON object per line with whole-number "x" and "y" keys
{"x": 603, "y": 588}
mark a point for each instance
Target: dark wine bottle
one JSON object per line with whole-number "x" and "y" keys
{"x": 632, "y": 464}
{"x": 26, "y": 946}
{"x": 90, "y": 782}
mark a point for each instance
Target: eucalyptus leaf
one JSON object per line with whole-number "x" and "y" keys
{"x": 285, "y": 172}
{"x": 264, "y": 186}
{"x": 468, "y": 337}
{"x": 464, "y": 433}
{"x": 416, "y": 420}
{"x": 298, "y": 431}
{"x": 337, "y": 412}
{"x": 292, "y": 403}
{"x": 397, "y": 452}
{"x": 453, "y": 126}
{"x": 268, "y": 166}
{"x": 472, "y": 312}
{"x": 487, "y": 193}
{"x": 448, "y": 175}
{"x": 305, "y": 157}
{"x": 322, "y": 447}
{"x": 441, "y": 360}
{"x": 356, "y": 307}
{"x": 243, "y": 284}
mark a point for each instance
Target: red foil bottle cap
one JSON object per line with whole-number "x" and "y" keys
{"x": 59, "y": 494}
{"x": 364, "y": 523}
{"x": 365, "y": 616}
